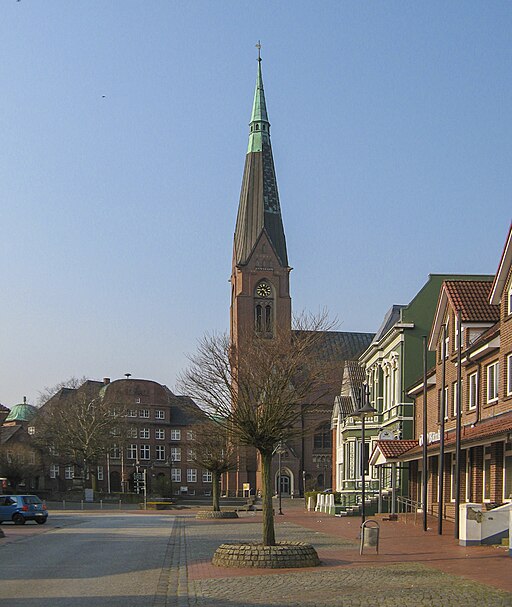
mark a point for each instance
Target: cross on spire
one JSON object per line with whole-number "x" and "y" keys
{"x": 258, "y": 46}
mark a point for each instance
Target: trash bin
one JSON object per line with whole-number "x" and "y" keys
{"x": 370, "y": 531}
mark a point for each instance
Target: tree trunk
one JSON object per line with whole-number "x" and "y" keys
{"x": 269, "y": 536}
{"x": 215, "y": 491}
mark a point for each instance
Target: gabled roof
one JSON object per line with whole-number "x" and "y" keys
{"x": 471, "y": 298}
{"x": 346, "y": 402}
{"x": 7, "y": 432}
{"x": 503, "y": 270}
{"x": 183, "y": 410}
{"x": 390, "y": 450}
{"x": 390, "y": 319}
{"x": 4, "y": 408}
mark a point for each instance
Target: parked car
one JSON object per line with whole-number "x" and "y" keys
{"x": 22, "y": 508}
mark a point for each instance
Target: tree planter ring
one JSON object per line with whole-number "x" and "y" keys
{"x": 212, "y": 514}
{"x": 283, "y": 555}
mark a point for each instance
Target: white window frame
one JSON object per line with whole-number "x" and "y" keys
{"x": 144, "y": 413}
{"x": 145, "y": 452}
{"x": 131, "y": 413}
{"x": 175, "y": 434}
{"x": 509, "y": 299}
{"x": 159, "y": 434}
{"x": 493, "y": 374}
{"x": 207, "y": 476}
{"x": 144, "y": 433}
{"x": 99, "y": 473}
{"x": 131, "y": 451}
{"x": 176, "y": 454}
{"x": 473, "y": 391}
{"x": 507, "y": 453}
{"x": 176, "y": 475}
{"x": 487, "y": 458}
{"x": 160, "y": 453}
{"x": 115, "y": 452}
{"x": 69, "y": 473}
{"x": 454, "y": 397}
{"x": 159, "y": 414}
{"x": 509, "y": 375}
{"x": 54, "y": 471}
{"x": 191, "y": 475}
{"x": 190, "y": 455}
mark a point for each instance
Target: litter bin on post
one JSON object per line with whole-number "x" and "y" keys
{"x": 370, "y": 531}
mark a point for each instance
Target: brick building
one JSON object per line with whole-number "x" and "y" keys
{"x": 157, "y": 441}
{"x": 485, "y": 309}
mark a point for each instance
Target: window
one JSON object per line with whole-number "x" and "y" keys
{"x": 176, "y": 475}
{"x": 31, "y": 430}
{"x": 137, "y": 401}
{"x": 440, "y": 403}
{"x": 509, "y": 375}
{"x": 190, "y": 435}
{"x": 115, "y": 452}
{"x": 191, "y": 475}
{"x": 159, "y": 414}
{"x": 144, "y": 452}
{"x": 322, "y": 438}
{"x": 487, "y": 474}
{"x": 268, "y": 319}
{"x": 447, "y": 341}
{"x": 99, "y": 473}
{"x": 207, "y": 476}
{"x": 492, "y": 382}
{"x": 54, "y": 471}
{"x": 144, "y": 413}
{"x": 144, "y": 433}
{"x": 69, "y": 472}
{"x": 258, "y": 320}
{"x": 133, "y": 432}
{"x": 160, "y": 434}
{"x": 132, "y": 452}
{"x": 175, "y": 434}
{"x": 176, "y": 454}
{"x": 473, "y": 391}
{"x": 454, "y": 396}
{"x": 190, "y": 455}
{"x": 507, "y": 485}
{"x": 131, "y": 413}
{"x": 509, "y": 299}
{"x": 160, "y": 452}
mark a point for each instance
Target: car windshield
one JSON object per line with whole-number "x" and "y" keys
{"x": 31, "y": 499}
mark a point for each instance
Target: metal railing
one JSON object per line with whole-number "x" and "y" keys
{"x": 408, "y": 506}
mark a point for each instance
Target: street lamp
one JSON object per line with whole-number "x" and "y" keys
{"x": 365, "y": 410}
{"x": 280, "y": 451}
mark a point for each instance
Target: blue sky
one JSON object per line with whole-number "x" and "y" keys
{"x": 124, "y": 128}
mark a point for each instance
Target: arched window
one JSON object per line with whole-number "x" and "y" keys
{"x": 258, "y": 319}
{"x": 257, "y": 127}
{"x": 268, "y": 318}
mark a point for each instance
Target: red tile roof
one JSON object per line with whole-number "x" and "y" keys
{"x": 395, "y": 448}
{"x": 483, "y": 430}
{"x": 471, "y": 297}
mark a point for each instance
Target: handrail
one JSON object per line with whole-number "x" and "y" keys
{"x": 406, "y": 505}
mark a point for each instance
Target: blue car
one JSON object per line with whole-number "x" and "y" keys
{"x": 22, "y": 508}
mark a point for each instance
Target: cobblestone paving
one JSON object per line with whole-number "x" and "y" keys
{"x": 404, "y": 585}
{"x": 397, "y": 585}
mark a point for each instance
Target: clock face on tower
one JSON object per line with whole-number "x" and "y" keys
{"x": 263, "y": 290}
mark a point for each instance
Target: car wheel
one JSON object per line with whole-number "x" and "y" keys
{"x": 18, "y": 519}
{"x": 41, "y": 521}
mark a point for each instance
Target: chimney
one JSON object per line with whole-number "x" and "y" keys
{"x": 106, "y": 380}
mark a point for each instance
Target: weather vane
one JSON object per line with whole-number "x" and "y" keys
{"x": 258, "y": 46}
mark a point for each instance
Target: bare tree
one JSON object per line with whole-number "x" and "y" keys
{"x": 215, "y": 451}
{"x": 18, "y": 462}
{"x": 255, "y": 390}
{"x": 78, "y": 426}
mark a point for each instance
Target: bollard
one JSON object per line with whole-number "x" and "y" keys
{"x": 63, "y": 504}
{"x": 101, "y": 504}
{"x": 370, "y": 531}
{"x": 119, "y": 504}
{"x": 81, "y": 504}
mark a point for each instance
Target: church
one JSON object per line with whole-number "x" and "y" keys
{"x": 261, "y": 302}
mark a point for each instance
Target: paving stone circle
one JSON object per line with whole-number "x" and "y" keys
{"x": 211, "y": 514}
{"x": 283, "y": 555}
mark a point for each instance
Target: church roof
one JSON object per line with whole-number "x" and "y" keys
{"x": 259, "y": 209}
{"x": 338, "y": 346}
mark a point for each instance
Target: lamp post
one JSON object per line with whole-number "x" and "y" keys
{"x": 365, "y": 410}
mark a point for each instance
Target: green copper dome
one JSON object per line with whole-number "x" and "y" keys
{"x": 21, "y": 413}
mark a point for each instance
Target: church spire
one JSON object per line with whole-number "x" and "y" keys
{"x": 259, "y": 209}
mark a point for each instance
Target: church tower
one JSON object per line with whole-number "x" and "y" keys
{"x": 260, "y": 289}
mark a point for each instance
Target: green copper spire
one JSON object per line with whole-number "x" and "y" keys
{"x": 259, "y": 125}
{"x": 259, "y": 209}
